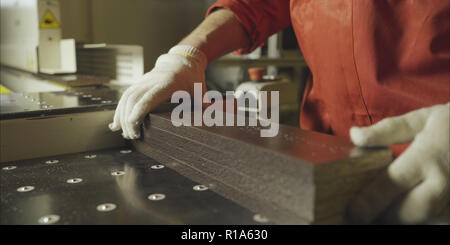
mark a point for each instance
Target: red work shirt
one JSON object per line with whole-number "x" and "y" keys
{"x": 369, "y": 59}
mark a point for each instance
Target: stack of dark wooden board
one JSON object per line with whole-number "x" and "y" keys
{"x": 297, "y": 177}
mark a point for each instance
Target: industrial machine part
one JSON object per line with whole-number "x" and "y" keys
{"x": 31, "y": 37}
{"x": 25, "y": 82}
{"x": 52, "y": 123}
{"x": 186, "y": 175}
{"x": 31, "y": 40}
{"x": 115, "y": 186}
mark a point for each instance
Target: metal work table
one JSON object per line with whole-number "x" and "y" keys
{"x": 185, "y": 175}
{"x": 71, "y": 188}
{"x": 133, "y": 189}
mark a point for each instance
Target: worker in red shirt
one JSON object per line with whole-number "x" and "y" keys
{"x": 380, "y": 75}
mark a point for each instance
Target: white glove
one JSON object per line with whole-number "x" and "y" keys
{"x": 177, "y": 70}
{"x": 421, "y": 173}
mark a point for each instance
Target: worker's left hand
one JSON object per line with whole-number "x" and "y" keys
{"x": 415, "y": 186}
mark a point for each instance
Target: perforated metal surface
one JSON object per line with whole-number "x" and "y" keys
{"x": 80, "y": 190}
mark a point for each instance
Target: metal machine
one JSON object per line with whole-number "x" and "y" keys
{"x": 60, "y": 164}
{"x": 31, "y": 37}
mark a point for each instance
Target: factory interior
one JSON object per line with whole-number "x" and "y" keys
{"x": 65, "y": 65}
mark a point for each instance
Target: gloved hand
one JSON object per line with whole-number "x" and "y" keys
{"x": 421, "y": 173}
{"x": 177, "y": 70}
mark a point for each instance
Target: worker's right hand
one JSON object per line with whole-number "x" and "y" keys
{"x": 177, "y": 70}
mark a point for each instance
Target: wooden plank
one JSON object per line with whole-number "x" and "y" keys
{"x": 288, "y": 178}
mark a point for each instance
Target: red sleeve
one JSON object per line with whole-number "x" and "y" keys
{"x": 260, "y": 18}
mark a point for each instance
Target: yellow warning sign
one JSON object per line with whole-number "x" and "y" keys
{"x": 49, "y": 21}
{"x": 4, "y": 90}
